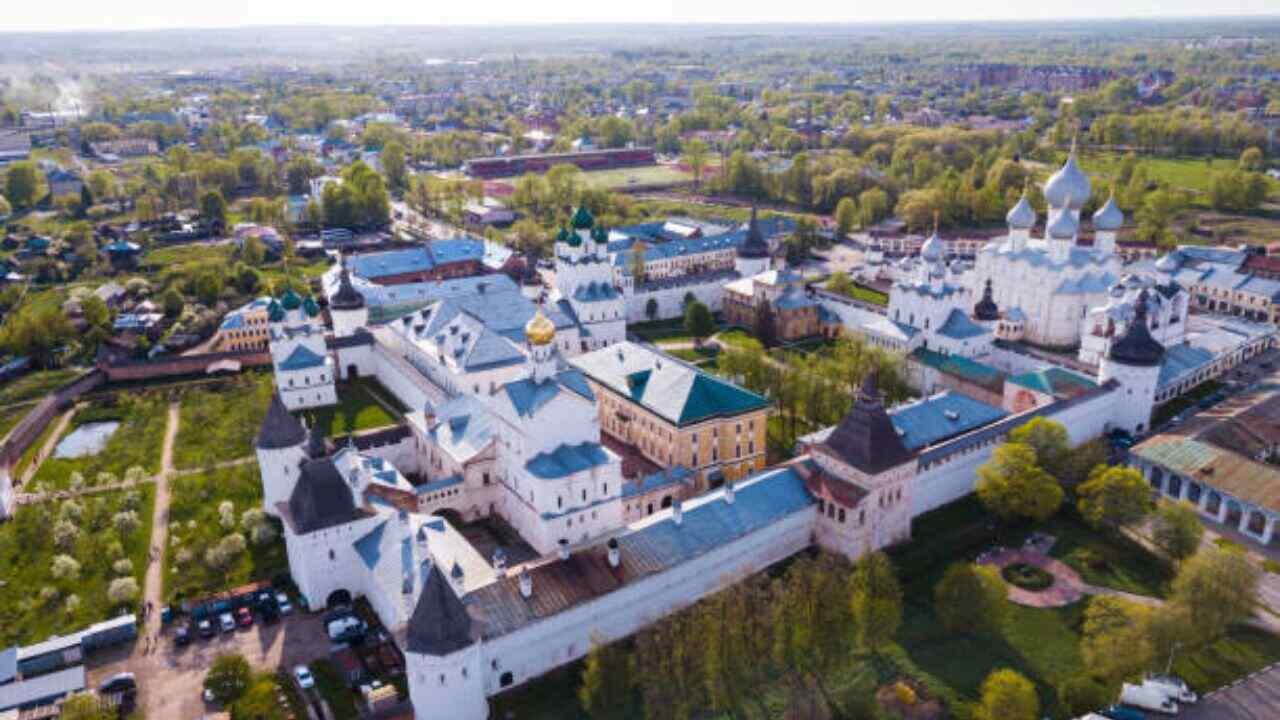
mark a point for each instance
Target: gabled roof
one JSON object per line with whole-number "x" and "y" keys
{"x": 933, "y": 419}
{"x": 1055, "y": 382}
{"x": 673, "y": 390}
{"x": 302, "y": 358}
{"x": 440, "y": 624}
{"x": 280, "y": 429}
{"x": 528, "y": 397}
{"x": 566, "y": 460}
{"x": 958, "y": 326}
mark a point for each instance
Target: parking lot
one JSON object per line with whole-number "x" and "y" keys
{"x": 171, "y": 677}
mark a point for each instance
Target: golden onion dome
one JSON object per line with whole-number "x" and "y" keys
{"x": 540, "y": 330}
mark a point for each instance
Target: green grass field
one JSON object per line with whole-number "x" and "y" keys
{"x": 137, "y": 441}
{"x": 33, "y": 604}
{"x": 356, "y": 409}
{"x": 220, "y": 420}
{"x": 34, "y": 386}
{"x": 194, "y": 526}
{"x": 643, "y": 177}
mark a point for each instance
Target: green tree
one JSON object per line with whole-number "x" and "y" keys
{"x": 1217, "y": 587}
{"x": 5, "y": 208}
{"x": 85, "y": 706}
{"x": 253, "y": 253}
{"x": 95, "y": 311}
{"x": 873, "y": 206}
{"x": 1050, "y": 441}
{"x": 213, "y": 208}
{"x": 698, "y": 321}
{"x": 605, "y": 692}
{"x": 971, "y": 599}
{"x": 1082, "y": 694}
{"x": 1176, "y": 529}
{"x": 228, "y": 678}
{"x": 86, "y": 200}
{"x": 846, "y": 215}
{"x": 1012, "y": 485}
{"x": 393, "y": 165}
{"x": 260, "y": 702}
{"x": 1114, "y": 496}
{"x": 1006, "y": 695}
{"x": 172, "y": 302}
{"x": 22, "y": 183}
{"x": 696, "y": 155}
{"x": 875, "y": 601}
{"x": 841, "y": 283}
{"x": 1251, "y": 160}
{"x": 1114, "y": 639}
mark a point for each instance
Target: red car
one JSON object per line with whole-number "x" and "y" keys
{"x": 244, "y": 617}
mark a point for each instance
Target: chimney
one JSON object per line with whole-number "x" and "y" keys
{"x": 526, "y": 584}
{"x": 729, "y": 492}
{"x": 677, "y": 512}
{"x": 563, "y": 550}
{"x": 614, "y": 557}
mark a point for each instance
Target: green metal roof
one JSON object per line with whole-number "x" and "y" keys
{"x": 1238, "y": 476}
{"x": 582, "y": 219}
{"x": 1055, "y": 381}
{"x": 963, "y": 368}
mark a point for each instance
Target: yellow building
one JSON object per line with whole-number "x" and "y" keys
{"x": 675, "y": 414}
{"x": 244, "y": 328}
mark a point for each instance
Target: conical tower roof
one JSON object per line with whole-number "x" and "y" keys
{"x": 866, "y": 437}
{"x": 753, "y": 245}
{"x": 280, "y": 429}
{"x": 440, "y": 624}
{"x": 986, "y": 308}
{"x": 347, "y": 297}
{"x": 1136, "y": 346}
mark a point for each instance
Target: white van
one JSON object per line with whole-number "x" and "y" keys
{"x": 1172, "y": 686}
{"x": 1148, "y": 698}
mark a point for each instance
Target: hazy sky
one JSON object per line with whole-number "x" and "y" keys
{"x": 30, "y": 15}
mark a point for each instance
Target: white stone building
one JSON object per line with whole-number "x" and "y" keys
{"x": 304, "y": 370}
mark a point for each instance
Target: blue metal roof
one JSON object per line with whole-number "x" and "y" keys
{"x": 369, "y": 547}
{"x": 457, "y": 250}
{"x": 527, "y": 396}
{"x": 372, "y": 266}
{"x": 566, "y": 460}
{"x": 1180, "y": 361}
{"x": 466, "y": 427}
{"x": 302, "y": 358}
{"x": 933, "y": 419}
{"x": 42, "y": 690}
{"x": 8, "y": 664}
{"x": 441, "y": 484}
{"x": 960, "y": 327}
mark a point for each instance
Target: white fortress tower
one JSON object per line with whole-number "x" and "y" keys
{"x": 442, "y": 658}
{"x": 304, "y": 371}
{"x": 753, "y": 254}
{"x": 347, "y": 308}
{"x": 1134, "y": 361}
{"x": 282, "y": 446}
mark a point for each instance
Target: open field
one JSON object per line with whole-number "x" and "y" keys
{"x": 34, "y": 386}
{"x": 33, "y": 603}
{"x": 195, "y": 525}
{"x": 219, "y": 421}
{"x": 136, "y": 442}
{"x": 644, "y": 177}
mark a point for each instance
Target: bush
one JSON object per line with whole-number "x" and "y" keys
{"x": 122, "y": 590}
{"x": 64, "y": 567}
{"x": 71, "y": 604}
{"x": 124, "y": 566}
{"x": 1027, "y": 577}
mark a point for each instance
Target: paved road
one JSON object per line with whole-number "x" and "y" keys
{"x": 1256, "y": 697}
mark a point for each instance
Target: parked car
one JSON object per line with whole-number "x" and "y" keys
{"x": 282, "y": 601}
{"x": 1147, "y": 698}
{"x": 182, "y": 634}
{"x": 244, "y": 617}
{"x": 1172, "y": 686}
{"x": 1117, "y": 712}
{"x": 269, "y": 613}
{"x": 303, "y": 674}
{"x": 346, "y": 629}
{"x": 120, "y": 682}
{"x": 1120, "y": 712}
{"x": 205, "y": 627}
{"x": 226, "y": 622}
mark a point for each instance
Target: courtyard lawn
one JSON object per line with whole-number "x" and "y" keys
{"x": 195, "y": 525}
{"x": 35, "y": 605}
{"x": 358, "y": 409}
{"x": 219, "y": 420}
{"x": 1107, "y": 560}
{"x": 660, "y": 331}
{"x": 739, "y": 338}
{"x": 648, "y": 177}
{"x": 137, "y": 442}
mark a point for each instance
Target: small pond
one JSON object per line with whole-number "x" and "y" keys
{"x": 88, "y": 439}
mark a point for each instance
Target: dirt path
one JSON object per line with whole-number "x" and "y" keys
{"x": 29, "y": 498}
{"x": 49, "y": 444}
{"x": 153, "y": 593}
